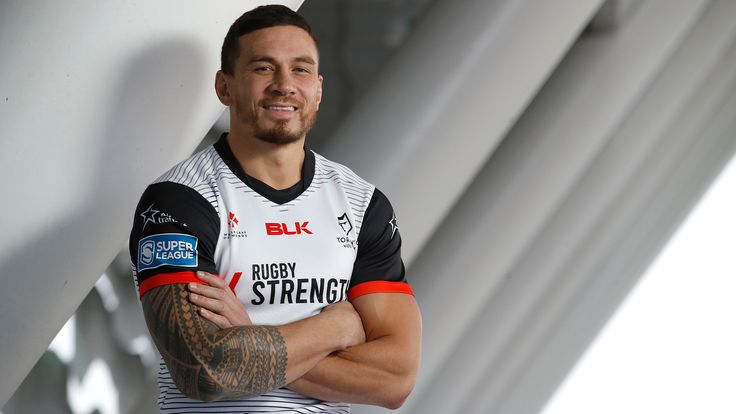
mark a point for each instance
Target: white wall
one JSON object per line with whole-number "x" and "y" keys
{"x": 96, "y": 100}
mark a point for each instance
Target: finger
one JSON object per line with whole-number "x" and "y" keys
{"x": 211, "y": 279}
{"x": 246, "y": 320}
{"x": 212, "y": 305}
{"x": 218, "y": 320}
{"x": 208, "y": 291}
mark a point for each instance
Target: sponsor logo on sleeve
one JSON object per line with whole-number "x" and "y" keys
{"x": 167, "y": 249}
{"x": 394, "y": 226}
{"x": 154, "y": 216}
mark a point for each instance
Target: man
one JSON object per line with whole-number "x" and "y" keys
{"x": 244, "y": 254}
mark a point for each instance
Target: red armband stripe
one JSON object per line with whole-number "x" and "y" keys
{"x": 379, "y": 286}
{"x": 168, "y": 279}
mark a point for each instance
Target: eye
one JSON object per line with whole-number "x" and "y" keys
{"x": 263, "y": 68}
{"x": 301, "y": 69}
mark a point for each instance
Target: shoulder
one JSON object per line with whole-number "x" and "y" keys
{"x": 325, "y": 169}
{"x": 357, "y": 192}
{"x": 168, "y": 206}
{"x": 186, "y": 193}
{"x": 200, "y": 173}
{"x": 380, "y": 218}
{"x": 375, "y": 208}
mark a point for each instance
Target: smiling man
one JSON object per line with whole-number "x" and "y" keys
{"x": 271, "y": 278}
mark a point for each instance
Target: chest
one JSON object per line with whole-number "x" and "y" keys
{"x": 286, "y": 262}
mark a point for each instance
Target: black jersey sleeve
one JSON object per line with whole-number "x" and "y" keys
{"x": 174, "y": 234}
{"x": 378, "y": 267}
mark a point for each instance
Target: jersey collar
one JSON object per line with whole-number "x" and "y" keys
{"x": 276, "y": 196}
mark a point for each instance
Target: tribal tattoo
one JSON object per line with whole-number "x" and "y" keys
{"x": 208, "y": 363}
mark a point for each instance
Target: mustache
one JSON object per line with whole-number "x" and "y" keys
{"x": 290, "y": 102}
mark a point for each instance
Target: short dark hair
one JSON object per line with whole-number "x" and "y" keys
{"x": 258, "y": 18}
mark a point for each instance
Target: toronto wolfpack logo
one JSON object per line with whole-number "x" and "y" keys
{"x": 345, "y": 223}
{"x": 347, "y": 227}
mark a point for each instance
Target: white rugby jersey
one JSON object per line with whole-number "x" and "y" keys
{"x": 285, "y": 253}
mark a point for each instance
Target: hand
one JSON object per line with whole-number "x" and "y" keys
{"x": 217, "y": 302}
{"x": 344, "y": 315}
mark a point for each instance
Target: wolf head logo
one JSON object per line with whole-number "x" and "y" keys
{"x": 345, "y": 223}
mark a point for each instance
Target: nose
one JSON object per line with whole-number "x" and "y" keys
{"x": 283, "y": 83}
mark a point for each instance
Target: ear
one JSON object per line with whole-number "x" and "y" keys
{"x": 319, "y": 91}
{"x": 222, "y": 88}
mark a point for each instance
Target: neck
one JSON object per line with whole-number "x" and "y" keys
{"x": 279, "y": 166}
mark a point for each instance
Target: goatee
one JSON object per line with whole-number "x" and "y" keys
{"x": 279, "y": 135}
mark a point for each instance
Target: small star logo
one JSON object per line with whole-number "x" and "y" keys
{"x": 394, "y": 225}
{"x": 149, "y": 216}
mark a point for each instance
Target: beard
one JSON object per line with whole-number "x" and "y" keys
{"x": 281, "y": 134}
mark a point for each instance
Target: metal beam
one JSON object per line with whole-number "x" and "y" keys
{"x": 601, "y": 239}
{"x": 451, "y": 93}
{"x": 513, "y": 198}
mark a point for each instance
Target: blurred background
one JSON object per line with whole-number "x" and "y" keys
{"x": 558, "y": 169}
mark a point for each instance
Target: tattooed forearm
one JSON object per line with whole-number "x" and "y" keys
{"x": 207, "y": 363}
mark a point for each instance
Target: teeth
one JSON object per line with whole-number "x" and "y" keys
{"x": 281, "y": 108}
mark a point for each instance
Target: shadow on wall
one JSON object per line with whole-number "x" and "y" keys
{"x": 149, "y": 112}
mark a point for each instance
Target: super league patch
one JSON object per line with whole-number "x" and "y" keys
{"x": 167, "y": 249}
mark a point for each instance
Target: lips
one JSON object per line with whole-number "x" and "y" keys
{"x": 281, "y": 108}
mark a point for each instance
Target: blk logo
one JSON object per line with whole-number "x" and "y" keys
{"x": 282, "y": 229}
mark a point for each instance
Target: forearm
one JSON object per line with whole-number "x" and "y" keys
{"x": 382, "y": 371}
{"x": 207, "y": 363}
{"x": 371, "y": 373}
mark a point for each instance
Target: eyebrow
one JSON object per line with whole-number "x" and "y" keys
{"x": 305, "y": 59}
{"x": 269, "y": 59}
